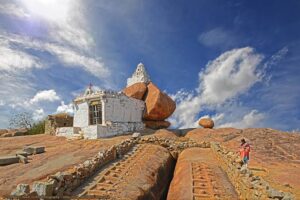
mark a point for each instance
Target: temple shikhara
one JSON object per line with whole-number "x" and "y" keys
{"x": 105, "y": 113}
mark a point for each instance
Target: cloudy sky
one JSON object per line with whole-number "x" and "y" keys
{"x": 235, "y": 61}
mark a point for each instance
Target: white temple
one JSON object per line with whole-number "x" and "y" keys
{"x": 100, "y": 114}
{"x": 140, "y": 75}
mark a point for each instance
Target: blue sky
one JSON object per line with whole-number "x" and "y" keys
{"x": 235, "y": 61}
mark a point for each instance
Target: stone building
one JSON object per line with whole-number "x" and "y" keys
{"x": 56, "y": 121}
{"x": 104, "y": 114}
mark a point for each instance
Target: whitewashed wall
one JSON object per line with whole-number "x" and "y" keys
{"x": 67, "y": 132}
{"x": 120, "y": 114}
{"x": 115, "y": 129}
{"x": 123, "y": 109}
{"x": 81, "y": 115}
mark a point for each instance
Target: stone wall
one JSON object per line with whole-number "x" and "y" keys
{"x": 62, "y": 183}
{"x": 56, "y": 121}
{"x": 247, "y": 185}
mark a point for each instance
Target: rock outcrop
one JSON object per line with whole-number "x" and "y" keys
{"x": 159, "y": 106}
{"x": 136, "y": 90}
{"x": 13, "y": 132}
{"x": 157, "y": 124}
{"x": 206, "y": 123}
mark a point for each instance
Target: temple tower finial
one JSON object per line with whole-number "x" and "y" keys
{"x": 139, "y": 76}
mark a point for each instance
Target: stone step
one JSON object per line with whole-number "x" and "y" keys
{"x": 34, "y": 150}
{"x": 7, "y": 160}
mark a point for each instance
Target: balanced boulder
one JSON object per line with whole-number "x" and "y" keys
{"x": 159, "y": 106}
{"x": 136, "y": 90}
{"x": 157, "y": 124}
{"x": 206, "y": 123}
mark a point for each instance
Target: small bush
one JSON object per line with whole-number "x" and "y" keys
{"x": 37, "y": 128}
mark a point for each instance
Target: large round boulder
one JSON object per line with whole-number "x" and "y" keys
{"x": 206, "y": 123}
{"x": 157, "y": 124}
{"x": 136, "y": 90}
{"x": 159, "y": 106}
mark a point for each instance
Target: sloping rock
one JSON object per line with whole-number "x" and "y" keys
{"x": 136, "y": 90}
{"x": 163, "y": 133}
{"x": 206, "y": 123}
{"x": 13, "y": 132}
{"x": 157, "y": 124}
{"x": 193, "y": 175}
{"x": 149, "y": 178}
{"x": 3, "y": 131}
{"x": 159, "y": 106}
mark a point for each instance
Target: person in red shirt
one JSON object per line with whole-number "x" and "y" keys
{"x": 245, "y": 152}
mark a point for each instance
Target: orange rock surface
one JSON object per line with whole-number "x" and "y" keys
{"x": 163, "y": 133}
{"x": 144, "y": 175}
{"x": 159, "y": 106}
{"x": 59, "y": 154}
{"x": 206, "y": 123}
{"x": 136, "y": 90}
{"x": 275, "y": 155}
{"x": 198, "y": 176}
{"x": 156, "y": 124}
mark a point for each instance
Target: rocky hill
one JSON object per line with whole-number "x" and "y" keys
{"x": 197, "y": 164}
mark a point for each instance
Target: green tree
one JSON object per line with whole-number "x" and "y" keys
{"x": 37, "y": 128}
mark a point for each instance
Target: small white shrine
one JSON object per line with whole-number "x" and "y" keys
{"x": 100, "y": 114}
{"x": 103, "y": 114}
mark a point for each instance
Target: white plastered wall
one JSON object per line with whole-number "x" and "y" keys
{"x": 81, "y": 115}
{"x": 123, "y": 109}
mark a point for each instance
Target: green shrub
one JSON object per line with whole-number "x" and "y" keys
{"x": 37, "y": 128}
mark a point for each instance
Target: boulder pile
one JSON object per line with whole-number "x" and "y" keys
{"x": 159, "y": 106}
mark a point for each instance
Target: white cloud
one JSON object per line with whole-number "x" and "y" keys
{"x": 66, "y": 27}
{"x": 218, "y": 37}
{"x": 12, "y": 59}
{"x": 13, "y": 10}
{"x": 68, "y": 36}
{"x": 63, "y": 108}
{"x": 38, "y": 114}
{"x": 224, "y": 79}
{"x": 250, "y": 120}
{"x": 276, "y": 57}
{"x": 45, "y": 95}
{"x": 66, "y": 55}
{"x": 218, "y": 117}
{"x": 72, "y": 58}
{"x": 2, "y": 103}
{"x": 14, "y": 88}
{"x": 231, "y": 74}
{"x": 72, "y": 34}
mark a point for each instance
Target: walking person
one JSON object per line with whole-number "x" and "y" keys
{"x": 245, "y": 152}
